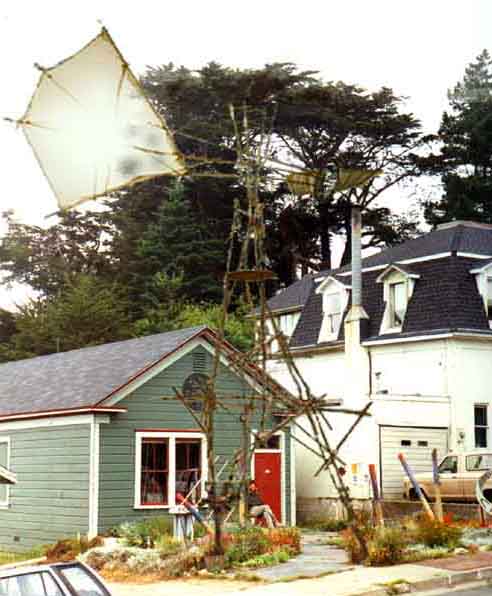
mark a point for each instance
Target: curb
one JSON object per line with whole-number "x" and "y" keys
{"x": 446, "y": 581}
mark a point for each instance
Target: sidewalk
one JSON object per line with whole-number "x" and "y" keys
{"x": 373, "y": 581}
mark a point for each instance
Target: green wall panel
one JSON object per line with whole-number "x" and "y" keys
{"x": 147, "y": 410}
{"x": 51, "y": 499}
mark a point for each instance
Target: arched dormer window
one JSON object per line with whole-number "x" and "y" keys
{"x": 335, "y": 296}
{"x": 399, "y": 283}
{"x": 483, "y": 276}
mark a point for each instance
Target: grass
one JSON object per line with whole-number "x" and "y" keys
{"x": 9, "y": 557}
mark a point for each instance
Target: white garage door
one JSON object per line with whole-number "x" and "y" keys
{"x": 417, "y": 445}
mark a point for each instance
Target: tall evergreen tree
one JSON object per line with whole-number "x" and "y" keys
{"x": 466, "y": 161}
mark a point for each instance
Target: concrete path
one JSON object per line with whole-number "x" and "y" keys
{"x": 317, "y": 558}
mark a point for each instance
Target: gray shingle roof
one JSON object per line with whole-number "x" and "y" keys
{"x": 82, "y": 378}
{"x": 293, "y": 296}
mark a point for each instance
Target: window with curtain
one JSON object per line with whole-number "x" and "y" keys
{"x": 398, "y": 303}
{"x": 155, "y": 471}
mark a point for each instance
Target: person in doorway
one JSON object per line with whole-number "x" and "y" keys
{"x": 257, "y": 507}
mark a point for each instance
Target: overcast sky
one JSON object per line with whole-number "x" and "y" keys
{"x": 419, "y": 48}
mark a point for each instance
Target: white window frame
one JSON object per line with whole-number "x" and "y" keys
{"x": 171, "y": 436}
{"x": 6, "y": 504}
{"x": 391, "y": 277}
{"x": 486, "y": 427}
{"x": 330, "y": 287}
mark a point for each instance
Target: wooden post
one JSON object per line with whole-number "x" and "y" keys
{"x": 416, "y": 487}
{"x": 437, "y": 487}
{"x": 378, "y": 508}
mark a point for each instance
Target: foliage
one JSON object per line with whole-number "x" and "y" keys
{"x": 183, "y": 243}
{"x": 268, "y": 559}
{"x": 465, "y": 163}
{"x": 89, "y": 312}
{"x": 387, "y": 546}
{"x": 145, "y": 533}
{"x": 167, "y": 545}
{"x": 285, "y": 539}
{"x": 435, "y": 533}
{"x": 247, "y": 544}
{"x": 350, "y": 541}
{"x": 122, "y": 562}
{"x": 71, "y": 548}
{"x": 6, "y": 558}
{"x": 326, "y": 524}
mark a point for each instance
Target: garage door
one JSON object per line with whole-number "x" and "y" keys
{"x": 417, "y": 445}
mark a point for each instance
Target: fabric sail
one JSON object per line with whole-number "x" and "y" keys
{"x": 353, "y": 178}
{"x": 93, "y": 130}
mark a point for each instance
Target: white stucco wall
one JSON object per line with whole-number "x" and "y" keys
{"x": 430, "y": 384}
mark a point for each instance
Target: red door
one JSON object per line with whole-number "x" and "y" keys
{"x": 268, "y": 468}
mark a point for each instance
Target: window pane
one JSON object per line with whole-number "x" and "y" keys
{"x": 82, "y": 582}
{"x": 475, "y": 463}
{"x": 480, "y": 415}
{"x": 332, "y": 303}
{"x": 188, "y": 466}
{"x": 398, "y": 298}
{"x": 449, "y": 465}
{"x": 154, "y": 480}
{"x": 50, "y": 585}
{"x": 480, "y": 436}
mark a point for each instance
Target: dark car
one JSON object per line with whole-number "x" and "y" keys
{"x": 57, "y": 579}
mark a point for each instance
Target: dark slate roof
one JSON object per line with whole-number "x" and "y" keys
{"x": 465, "y": 237}
{"x": 445, "y": 298}
{"x": 82, "y": 378}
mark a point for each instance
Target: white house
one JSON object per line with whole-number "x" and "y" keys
{"x": 423, "y": 356}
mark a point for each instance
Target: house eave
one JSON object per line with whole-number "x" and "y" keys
{"x": 60, "y": 412}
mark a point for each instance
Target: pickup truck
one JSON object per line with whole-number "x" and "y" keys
{"x": 458, "y": 474}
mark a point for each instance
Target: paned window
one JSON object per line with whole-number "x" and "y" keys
{"x": 398, "y": 303}
{"x": 188, "y": 467}
{"x": 481, "y": 426}
{"x": 155, "y": 471}
{"x": 167, "y": 463}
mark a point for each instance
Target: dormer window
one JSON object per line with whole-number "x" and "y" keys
{"x": 398, "y": 303}
{"x": 332, "y": 313}
{"x": 398, "y": 288}
{"x": 483, "y": 275}
{"x": 335, "y": 297}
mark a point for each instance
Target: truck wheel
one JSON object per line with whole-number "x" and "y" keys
{"x": 412, "y": 495}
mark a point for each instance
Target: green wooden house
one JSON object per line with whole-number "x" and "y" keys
{"x": 92, "y": 442}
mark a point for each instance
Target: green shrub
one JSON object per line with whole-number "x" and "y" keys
{"x": 247, "y": 544}
{"x": 329, "y": 524}
{"x": 284, "y": 539}
{"x": 70, "y": 548}
{"x": 145, "y": 532}
{"x": 350, "y": 542}
{"x": 386, "y": 547}
{"x": 168, "y": 546}
{"x": 435, "y": 533}
{"x": 268, "y": 559}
